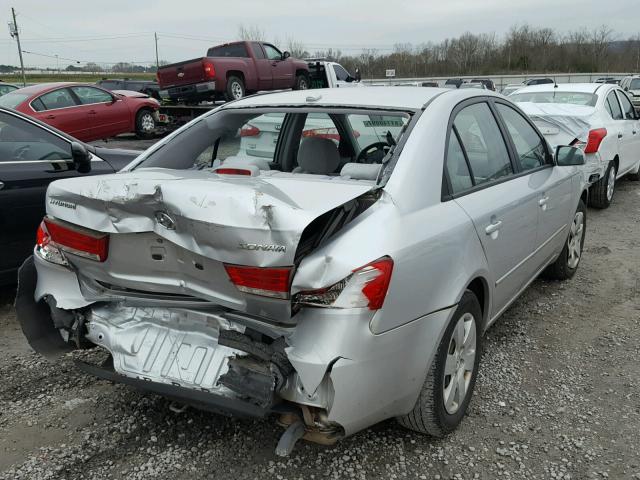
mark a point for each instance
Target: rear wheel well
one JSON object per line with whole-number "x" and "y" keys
{"x": 236, "y": 73}
{"x": 302, "y": 72}
{"x": 479, "y": 288}
{"x": 584, "y": 196}
{"x": 616, "y": 161}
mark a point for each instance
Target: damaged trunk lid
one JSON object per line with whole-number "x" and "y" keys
{"x": 174, "y": 233}
{"x": 561, "y": 124}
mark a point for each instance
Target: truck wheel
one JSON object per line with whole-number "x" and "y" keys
{"x": 567, "y": 263}
{"x": 447, "y": 390}
{"x": 145, "y": 123}
{"x": 601, "y": 192}
{"x": 235, "y": 88}
{"x": 302, "y": 82}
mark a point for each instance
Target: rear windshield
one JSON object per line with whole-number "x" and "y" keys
{"x": 13, "y": 99}
{"x": 235, "y": 50}
{"x": 315, "y": 141}
{"x": 572, "y": 98}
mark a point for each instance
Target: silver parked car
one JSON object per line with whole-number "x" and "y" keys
{"x": 334, "y": 284}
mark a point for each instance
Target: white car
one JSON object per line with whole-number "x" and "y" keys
{"x": 599, "y": 118}
{"x": 631, "y": 85}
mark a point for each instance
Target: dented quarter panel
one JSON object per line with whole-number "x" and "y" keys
{"x": 374, "y": 377}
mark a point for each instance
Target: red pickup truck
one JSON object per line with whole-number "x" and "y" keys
{"x": 231, "y": 71}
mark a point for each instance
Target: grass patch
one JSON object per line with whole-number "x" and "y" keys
{"x": 73, "y": 77}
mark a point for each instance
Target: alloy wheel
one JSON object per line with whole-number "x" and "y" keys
{"x": 147, "y": 123}
{"x": 460, "y": 363}
{"x": 574, "y": 242}
{"x": 611, "y": 183}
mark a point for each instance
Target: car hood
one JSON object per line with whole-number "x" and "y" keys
{"x": 209, "y": 214}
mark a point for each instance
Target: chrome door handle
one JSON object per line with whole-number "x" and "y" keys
{"x": 493, "y": 227}
{"x": 543, "y": 201}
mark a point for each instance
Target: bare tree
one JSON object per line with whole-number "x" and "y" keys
{"x": 296, "y": 48}
{"x": 251, "y": 33}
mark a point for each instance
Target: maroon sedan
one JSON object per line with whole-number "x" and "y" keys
{"x": 84, "y": 111}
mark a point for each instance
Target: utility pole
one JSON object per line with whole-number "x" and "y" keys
{"x": 14, "y": 32}
{"x": 155, "y": 34}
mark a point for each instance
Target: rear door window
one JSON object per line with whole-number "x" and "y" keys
{"x": 257, "y": 51}
{"x": 613, "y": 107}
{"x": 457, "y": 167}
{"x": 529, "y": 145}
{"x": 57, "y": 99}
{"x": 483, "y": 143}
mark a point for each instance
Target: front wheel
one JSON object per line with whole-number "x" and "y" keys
{"x": 567, "y": 263}
{"x": 145, "y": 123}
{"x": 447, "y": 390}
{"x": 601, "y": 192}
{"x": 235, "y": 88}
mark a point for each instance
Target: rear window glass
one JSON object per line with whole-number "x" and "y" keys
{"x": 235, "y": 50}
{"x": 314, "y": 142}
{"x": 635, "y": 84}
{"x": 13, "y": 99}
{"x": 572, "y": 98}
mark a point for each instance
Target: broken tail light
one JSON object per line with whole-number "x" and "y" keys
{"x": 53, "y": 236}
{"x": 594, "y": 140}
{"x": 266, "y": 281}
{"x": 366, "y": 287}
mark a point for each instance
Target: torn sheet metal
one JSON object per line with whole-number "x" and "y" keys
{"x": 560, "y": 123}
{"x": 170, "y": 346}
{"x": 249, "y": 220}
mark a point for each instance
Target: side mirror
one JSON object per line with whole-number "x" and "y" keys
{"x": 349, "y": 79}
{"x": 567, "y": 156}
{"x": 81, "y": 157}
{"x": 285, "y": 55}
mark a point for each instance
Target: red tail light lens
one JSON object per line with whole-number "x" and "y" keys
{"x": 209, "y": 71}
{"x": 232, "y": 171}
{"x": 268, "y": 282}
{"x": 249, "y": 131}
{"x": 366, "y": 287}
{"x": 379, "y": 277}
{"x": 595, "y": 139}
{"x": 74, "y": 240}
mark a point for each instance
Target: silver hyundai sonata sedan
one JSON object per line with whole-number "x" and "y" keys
{"x": 344, "y": 276}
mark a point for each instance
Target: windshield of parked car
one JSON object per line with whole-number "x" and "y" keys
{"x": 635, "y": 84}
{"x": 312, "y": 141}
{"x": 572, "y": 98}
{"x": 13, "y": 99}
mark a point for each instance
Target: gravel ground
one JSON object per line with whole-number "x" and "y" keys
{"x": 557, "y": 397}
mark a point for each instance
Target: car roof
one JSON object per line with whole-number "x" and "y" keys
{"x": 565, "y": 87}
{"x": 367, "y": 97}
{"x": 45, "y": 87}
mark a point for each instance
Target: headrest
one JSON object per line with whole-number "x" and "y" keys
{"x": 361, "y": 171}
{"x": 318, "y": 155}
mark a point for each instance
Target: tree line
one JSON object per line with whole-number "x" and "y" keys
{"x": 524, "y": 49}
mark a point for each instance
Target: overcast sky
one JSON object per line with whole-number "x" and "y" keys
{"x": 84, "y": 30}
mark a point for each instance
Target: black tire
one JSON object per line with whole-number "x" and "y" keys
{"x": 145, "y": 123}
{"x": 563, "y": 268}
{"x": 235, "y": 89}
{"x": 302, "y": 82}
{"x": 598, "y": 197}
{"x": 429, "y": 414}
